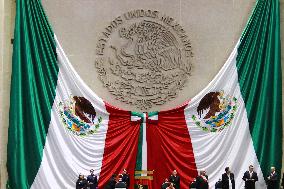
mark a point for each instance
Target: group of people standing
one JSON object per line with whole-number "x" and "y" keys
{"x": 91, "y": 182}
{"x": 227, "y": 182}
{"x": 173, "y": 182}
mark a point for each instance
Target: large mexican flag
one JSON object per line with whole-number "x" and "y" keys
{"x": 60, "y": 128}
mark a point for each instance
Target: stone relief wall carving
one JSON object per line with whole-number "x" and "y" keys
{"x": 144, "y": 58}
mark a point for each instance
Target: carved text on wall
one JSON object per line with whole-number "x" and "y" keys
{"x": 144, "y": 58}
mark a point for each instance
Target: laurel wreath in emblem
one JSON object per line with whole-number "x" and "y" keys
{"x": 144, "y": 60}
{"x": 215, "y": 111}
{"x": 79, "y": 116}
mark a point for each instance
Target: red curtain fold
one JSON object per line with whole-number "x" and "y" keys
{"x": 169, "y": 147}
{"x": 120, "y": 146}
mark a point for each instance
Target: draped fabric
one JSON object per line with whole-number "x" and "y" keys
{"x": 170, "y": 148}
{"x": 33, "y": 85}
{"x": 226, "y": 145}
{"x": 59, "y": 127}
{"x": 108, "y": 149}
{"x": 260, "y": 78}
{"x": 121, "y": 145}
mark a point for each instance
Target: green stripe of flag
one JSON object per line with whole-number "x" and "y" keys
{"x": 140, "y": 141}
{"x": 33, "y": 89}
{"x": 259, "y": 70}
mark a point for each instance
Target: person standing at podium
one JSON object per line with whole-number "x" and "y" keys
{"x": 250, "y": 177}
{"x": 175, "y": 179}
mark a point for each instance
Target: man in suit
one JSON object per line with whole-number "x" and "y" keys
{"x": 250, "y": 177}
{"x": 175, "y": 179}
{"x": 81, "y": 183}
{"x": 218, "y": 184}
{"x": 272, "y": 179}
{"x": 126, "y": 178}
{"x": 111, "y": 183}
{"x": 92, "y": 180}
{"x": 202, "y": 181}
{"x": 165, "y": 184}
{"x": 120, "y": 183}
{"x": 228, "y": 179}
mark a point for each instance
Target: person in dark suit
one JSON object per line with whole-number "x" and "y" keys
{"x": 272, "y": 179}
{"x": 202, "y": 181}
{"x": 175, "y": 179}
{"x": 250, "y": 177}
{"x": 81, "y": 183}
{"x": 120, "y": 183}
{"x": 92, "y": 180}
{"x": 111, "y": 183}
{"x": 218, "y": 184}
{"x": 228, "y": 179}
{"x": 165, "y": 184}
{"x": 126, "y": 178}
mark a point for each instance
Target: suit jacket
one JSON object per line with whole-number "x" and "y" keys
{"x": 126, "y": 179}
{"x": 201, "y": 183}
{"x": 250, "y": 180}
{"x": 175, "y": 180}
{"x": 93, "y": 181}
{"x": 273, "y": 181}
{"x": 111, "y": 184}
{"x": 81, "y": 184}
{"x": 226, "y": 180}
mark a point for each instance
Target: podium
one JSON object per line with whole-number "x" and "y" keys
{"x": 143, "y": 179}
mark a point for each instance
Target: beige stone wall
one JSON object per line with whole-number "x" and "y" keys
{"x": 213, "y": 27}
{"x": 7, "y": 12}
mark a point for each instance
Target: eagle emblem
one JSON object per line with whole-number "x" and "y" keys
{"x": 215, "y": 111}
{"x": 79, "y": 116}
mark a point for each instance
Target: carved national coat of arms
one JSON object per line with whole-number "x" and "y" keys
{"x": 144, "y": 58}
